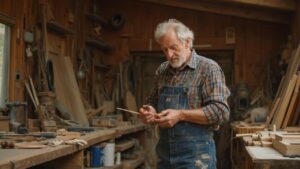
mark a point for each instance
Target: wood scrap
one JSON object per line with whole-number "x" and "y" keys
{"x": 25, "y": 145}
{"x": 287, "y": 147}
{"x": 287, "y": 136}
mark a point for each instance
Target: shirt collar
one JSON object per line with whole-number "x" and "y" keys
{"x": 191, "y": 63}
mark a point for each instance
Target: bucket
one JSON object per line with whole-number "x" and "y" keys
{"x": 109, "y": 154}
{"x": 96, "y": 156}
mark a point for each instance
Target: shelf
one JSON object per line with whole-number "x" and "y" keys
{"x": 127, "y": 129}
{"x": 133, "y": 163}
{"x": 112, "y": 167}
{"x": 124, "y": 145}
{"x": 99, "y": 44}
{"x": 103, "y": 66}
{"x": 54, "y": 26}
{"x": 97, "y": 18}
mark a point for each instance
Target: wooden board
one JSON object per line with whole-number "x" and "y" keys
{"x": 283, "y": 105}
{"x": 124, "y": 145}
{"x": 292, "y": 106}
{"x": 66, "y": 88}
{"x": 287, "y": 136}
{"x": 284, "y": 93}
{"x": 287, "y": 148}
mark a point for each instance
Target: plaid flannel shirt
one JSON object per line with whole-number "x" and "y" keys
{"x": 206, "y": 82}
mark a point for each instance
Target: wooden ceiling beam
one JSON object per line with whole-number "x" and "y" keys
{"x": 285, "y": 5}
{"x": 228, "y": 9}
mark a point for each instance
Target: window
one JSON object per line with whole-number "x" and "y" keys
{"x": 4, "y": 53}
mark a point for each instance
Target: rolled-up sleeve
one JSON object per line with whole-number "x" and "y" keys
{"x": 214, "y": 94}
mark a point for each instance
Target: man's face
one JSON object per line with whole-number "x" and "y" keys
{"x": 176, "y": 52}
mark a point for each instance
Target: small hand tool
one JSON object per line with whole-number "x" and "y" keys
{"x": 129, "y": 111}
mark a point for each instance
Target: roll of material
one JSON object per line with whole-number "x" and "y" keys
{"x": 97, "y": 156}
{"x": 109, "y": 154}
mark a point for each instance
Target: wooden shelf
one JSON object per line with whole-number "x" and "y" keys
{"x": 54, "y": 26}
{"x": 97, "y": 18}
{"x": 103, "y": 66}
{"x": 127, "y": 129}
{"x": 112, "y": 167}
{"x": 124, "y": 145}
{"x": 133, "y": 163}
{"x": 99, "y": 44}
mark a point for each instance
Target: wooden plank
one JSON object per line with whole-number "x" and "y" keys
{"x": 126, "y": 129}
{"x": 292, "y": 106}
{"x": 124, "y": 145}
{"x": 287, "y": 136}
{"x": 296, "y": 115}
{"x": 72, "y": 161}
{"x": 287, "y": 148}
{"x": 282, "y": 108}
{"x": 227, "y": 9}
{"x": 286, "y": 5}
{"x": 271, "y": 114}
{"x": 292, "y": 129}
{"x": 294, "y": 62}
{"x": 66, "y": 88}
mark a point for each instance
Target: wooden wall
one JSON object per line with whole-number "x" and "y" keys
{"x": 256, "y": 41}
{"x": 296, "y": 25}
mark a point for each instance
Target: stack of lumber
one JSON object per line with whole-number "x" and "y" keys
{"x": 285, "y": 110}
{"x": 287, "y": 144}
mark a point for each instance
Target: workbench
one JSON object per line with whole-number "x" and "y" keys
{"x": 269, "y": 158}
{"x": 67, "y": 156}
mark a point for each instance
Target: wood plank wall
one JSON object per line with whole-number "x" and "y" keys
{"x": 255, "y": 40}
{"x": 296, "y": 25}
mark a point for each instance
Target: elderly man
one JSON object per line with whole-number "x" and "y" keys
{"x": 188, "y": 102}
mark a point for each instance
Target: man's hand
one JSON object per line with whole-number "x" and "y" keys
{"x": 168, "y": 118}
{"x": 148, "y": 114}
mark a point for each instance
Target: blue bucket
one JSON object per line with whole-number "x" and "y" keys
{"x": 96, "y": 156}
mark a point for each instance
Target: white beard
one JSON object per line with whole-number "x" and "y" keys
{"x": 177, "y": 62}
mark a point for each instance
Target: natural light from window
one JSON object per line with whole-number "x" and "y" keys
{"x": 4, "y": 46}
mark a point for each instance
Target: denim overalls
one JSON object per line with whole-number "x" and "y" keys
{"x": 185, "y": 145}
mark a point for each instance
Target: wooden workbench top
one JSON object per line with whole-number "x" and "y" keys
{"x": 24, "y": 158}
{"x": 267, "y": 154}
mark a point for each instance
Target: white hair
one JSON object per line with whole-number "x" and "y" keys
{"x": 182, "y": 32}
